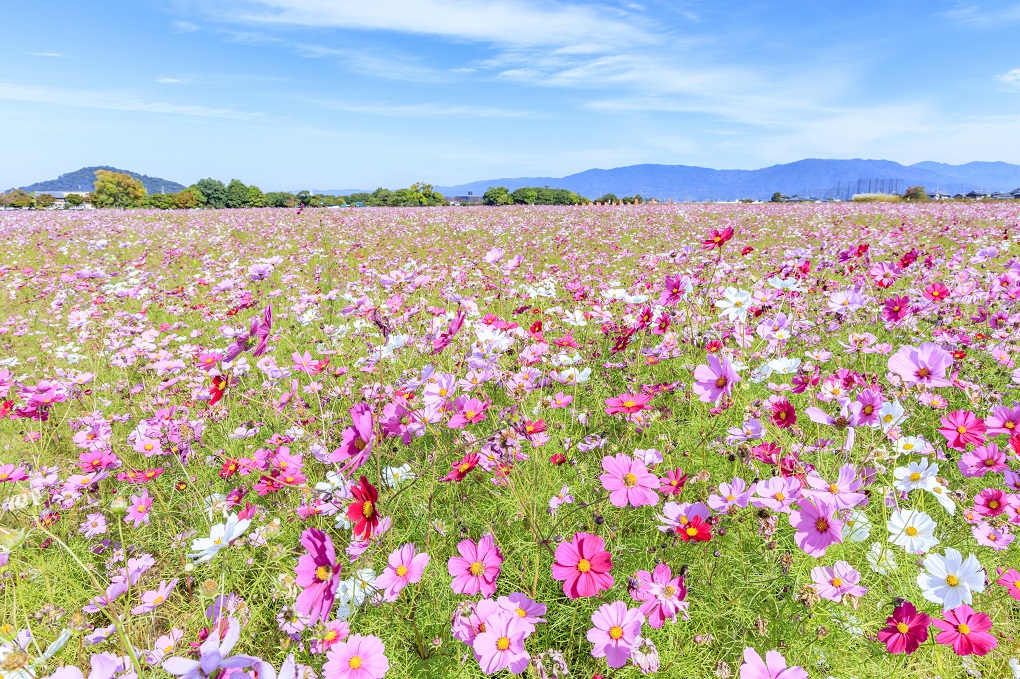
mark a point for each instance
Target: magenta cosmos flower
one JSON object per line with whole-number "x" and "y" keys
{"x": 358, "y": 657}
{"x": 817, "y": 526}
{"x": 403, "y": 567}
{"x": 907, "y": 629}
{"x": 833, "y": 583}
{"x": 715, "y": 380}
{"x": 615, "y": 633}
{"x": 961, "y": 427}
{"x": 773, "y": 667}
{"x": 628, "y": 481}
{"x": 583, "y": 564}
{"x": 318, "y": 573}
{"x": 627, "y": 403}
{"x": 966, "y": 631}
{"x": 356, "y": 445}
{"x": 926, "y": 365}
{"x": 477, "y": 567}
{"x": 138, "y": 509}
{"x": 501, "y": 644}
{"x": 662, "y": 595}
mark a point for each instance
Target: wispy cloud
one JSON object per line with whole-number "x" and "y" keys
{"x": 47, "y": 54}
{"x": 501, "y": 22}
{"x": 426, "y": 110}
{"x": 183, "y": 27}
{"x": 113, "y": 101}
{"x": 985, "y": 14}
{"x": 1011, "y": 78}
{"x": 169, "y": 81}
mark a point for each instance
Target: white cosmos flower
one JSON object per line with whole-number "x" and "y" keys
{"x": 881, "y": 559}
{"x": 920, "y": 474}
{"x": 857, "y": 526}
{"x": 912, "y": 530}
{"x": 950, "y": 580}
{"x": 394, "y": 476}
{"x": 575, "y": 318}
{"x": 909, "y": 445}
{"x": 734, "y": 304}
{"x": 220, "y": 536}
{"x": 891, "y": 414}
{"x": 941, "y": 494}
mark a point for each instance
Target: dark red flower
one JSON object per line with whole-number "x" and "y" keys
{"x": 363, "y": 510}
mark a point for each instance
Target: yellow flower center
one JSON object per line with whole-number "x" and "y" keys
{"x": 952, "y": 580}
{"x": 721, "y": 381}
{"x": 780, "y": 496}
{"x": 731, "y": 498}
{"x": 522, "y": 613}
{"x": 355, "y": 662}
{"x": 584, "y": 565}
{"x": 915, "y": 477}
{"x": 911, "y": 531}
{"x": 502, "y": 643}
{"x": 477, "y": 568}
{"x": 401, "y": 570}
{"x": 833, "y": 488}
{"x": 330, "y": 635}
{"x": 630, "y": 480}
{"x": 961, "y": 429}
{"x": 368, "y": 509}
{"x": 963, "y": 629}
{"x": 615, "y": 632}
{"x": 629, "y": 404}
{"x": 993, "y": 504}
{"x": 837, "y": 582}
{"x": 692, "y": 532}
{"x": 668, "y": 590}
{"x": 822, "y": 525}
{"x": 902, "y": 627}
{"x": 322, "y": 573}
{"x": 464, "y": 468}
{"x": 468, "y": 414}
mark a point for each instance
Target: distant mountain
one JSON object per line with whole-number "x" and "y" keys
{"x": 813, "y": 177}
{"x": 85, "y": 179}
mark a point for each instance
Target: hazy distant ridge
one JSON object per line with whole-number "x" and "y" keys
{"x": 803, "y": 177}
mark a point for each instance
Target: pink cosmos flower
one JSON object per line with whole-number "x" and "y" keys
{"x": 477, "y": 567}
{"x": 10, "y": 473}
{"x": 628, "y": 481}
{"x": 153, "y": 598}
{"x": 530, "y": 612}
{"x": 357, "y": 657}
{"x": 843, "y": 493}
{"x": 907, "y": 629}
{"x": 773, "y": 667}
{"x": 981, "y": 460}
{"x": 615, "y": 632}
{"x": 1011, "y": 581}
{"x": 715, "y": 380}
{"x": 991, "y": 502}
{"x": 403, "y": 567}
{"x": 627, "y": 403}
{"x": 961, "y": 427}
{"x": 988, "y": 535}
{"x": 966, "y": 631}
{"x": 817, "y": 527}
{"x": 732, "y": 494}
{"x": 356, "y": 445}
{"x": 583, "y": 564}
{"x": 138, "y": 509}
{"x": 662, "y": 595}
{"x": 673, "y": 482}
{"x": 833, "y": 583}
{"x": 318, "y": 573}
{"x": 777, "y": 493}
{"x": 469, "y": 411}
{"x": 332, "y": 634}
{"x": 501, "y": 644}
{"x": 925, "y": 365}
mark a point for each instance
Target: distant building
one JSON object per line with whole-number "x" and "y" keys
{"x": 938, "y": 195}
{"x": 469, "y": 199}
{"x": 978, "y": 195}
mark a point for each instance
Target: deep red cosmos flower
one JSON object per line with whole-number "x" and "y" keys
{"x": 363, "y": 510}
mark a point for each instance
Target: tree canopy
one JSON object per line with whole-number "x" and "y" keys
{"x": 116, "y": 189}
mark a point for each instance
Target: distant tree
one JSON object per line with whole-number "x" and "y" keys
{"x": 280, "y": 199}
{"x": 916, "y": 193}
{"x": 187, "y": 199}
{"x": 777, "y": 197}
{"x": 44, "y": 200}
{"x": 608, "y": 198}
{"x": 255, "y": 197}
{"x": 497, "y": 195}
{"x": 73, "y": 199}
{"x": 526, "y": 195}
{"x": 116, "y": 189}
{"x": 214, "y": 192}
{"x": 160, "y": 201}
{"x": 237, "y": 194}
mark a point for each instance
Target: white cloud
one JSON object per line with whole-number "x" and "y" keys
{"x": 502, "y": 22}
{"x": 47, "y": 54}
{"x": 183, "y": 27}
{"x": 425, "y": 110}
{"x": 113, "y": 101}
{"x": 1011, "y": 78}
{"x": 169, "y": 81}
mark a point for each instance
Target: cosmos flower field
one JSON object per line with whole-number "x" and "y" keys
{"x": 755, "y": 441}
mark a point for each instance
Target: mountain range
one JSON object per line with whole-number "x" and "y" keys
{"x": 814, "y": 177}
{"x": 818, "y": 178}
{"x": 85, "y": 178}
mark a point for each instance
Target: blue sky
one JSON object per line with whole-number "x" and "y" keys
{"x": 331, "y": 94}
